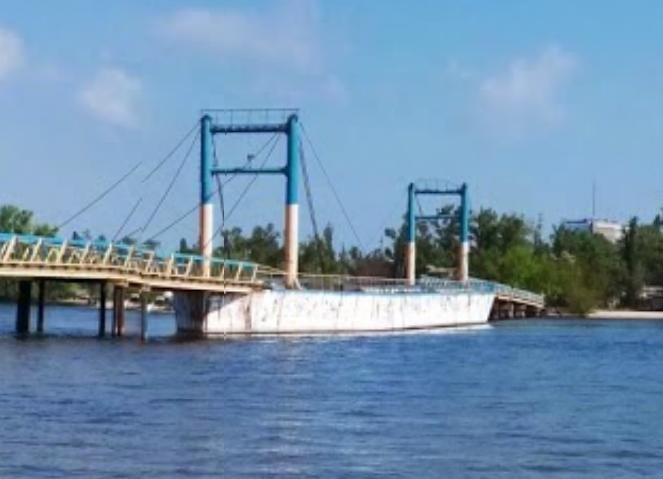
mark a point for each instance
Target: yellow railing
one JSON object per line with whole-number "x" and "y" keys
{"x": 30, "y": 251}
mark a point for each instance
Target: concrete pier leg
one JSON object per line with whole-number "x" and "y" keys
{"x": 117, "y": 326}
{"x": 143, "y": 316}
{"x": 23, "y": 307}
{"x": 102, "y": 309}
{"x": 114, "y": 318}
{"x": 41, "y": 295}
{"x": 495, "y": 311}
{"x": 120, "y": 311}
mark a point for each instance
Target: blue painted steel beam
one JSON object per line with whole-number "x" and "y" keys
{"x": 249, "y": 171}
{"x": 432, "y": 217}
{"x": 264, "y": 128}
{"x": 292, "y": 165}
{"x": 438, "y": 192}
{"x": 411, "y": 220}
{"x": 464, "y": 215}
{"x": 205, "y": 160}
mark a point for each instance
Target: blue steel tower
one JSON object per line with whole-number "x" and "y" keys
{"x": 291, "y": 171}
{"x": 462, "y": 273}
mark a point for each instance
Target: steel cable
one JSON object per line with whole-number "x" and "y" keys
{"x": 331, "y": 186}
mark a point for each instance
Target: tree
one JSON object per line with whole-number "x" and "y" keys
{"x": 19, "y": 221}
{"x": 16, "y": 220}
{"x": 632, "y": 257}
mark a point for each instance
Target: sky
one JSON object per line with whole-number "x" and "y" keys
{"x": 530, "y": 103}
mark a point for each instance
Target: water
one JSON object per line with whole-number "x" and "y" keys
{"x": 533, "y": 398}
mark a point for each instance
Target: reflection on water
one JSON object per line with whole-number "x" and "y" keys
{"x": 519, "y": 399}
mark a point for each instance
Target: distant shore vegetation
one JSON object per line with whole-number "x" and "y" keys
{"x": 578, "y": 271}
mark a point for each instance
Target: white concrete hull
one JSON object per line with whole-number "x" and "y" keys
{"x": 318, "y": 312}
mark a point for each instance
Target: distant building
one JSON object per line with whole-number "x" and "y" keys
{"x": 610, "y": 230}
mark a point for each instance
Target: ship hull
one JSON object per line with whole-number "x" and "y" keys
{"x": 295, "y": 312}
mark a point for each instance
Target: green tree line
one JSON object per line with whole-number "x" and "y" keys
{"x": 576, "y": 270}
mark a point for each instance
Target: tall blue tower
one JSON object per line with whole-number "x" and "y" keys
{"x": 462, "y": 272}
{"x": 290, "y": 128}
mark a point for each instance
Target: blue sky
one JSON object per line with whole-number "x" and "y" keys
{"x": 529, "y": 102}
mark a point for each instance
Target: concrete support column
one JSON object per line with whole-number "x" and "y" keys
{"x": 115, "y": 308}
{"x": 120, "y": 311}
{"x": 23, "y": 307}
{"x": 41, "y": 294}
{"x": 495, "y": 310}
{"x": 102, "y": 309}
{"x": 117, "y": 327}
{"x": 205, "y": 239}
{"x": 143, "y": 316}
{"x": 291, "y": 240}
{"x": 510, "y": 310}
{"x": 410, "y": 263}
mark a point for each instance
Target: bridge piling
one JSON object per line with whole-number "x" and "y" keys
{"x": 143, "y": 316}
{"x": 41, "y": 297}
{"x": 114, "y": 316}
{"x": 120, "y": 311}
{"x": 117, "y": 326}
{"x": 102, "y": 309}
{"x": 23, "y": 307}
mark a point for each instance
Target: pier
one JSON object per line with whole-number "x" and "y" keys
{"x": 115, "y": 267}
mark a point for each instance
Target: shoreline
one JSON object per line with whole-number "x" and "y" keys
{"x": 81, "y": 303}
{"x": 624, "y": 314}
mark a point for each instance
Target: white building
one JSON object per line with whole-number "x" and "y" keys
{"x": 610, "y": 230}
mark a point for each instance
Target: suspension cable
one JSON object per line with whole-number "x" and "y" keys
{"x": 99, "y": 197}
{"x": 311, "y": 210}
{"x": 219, "y": 186}
{"x": 108, "y": 190}
{"x": 331, "y": 186}
{"x": 170, "y": 153}
{"x": 170, "y": 185}
{"x": 421, "y": 210}
{"x": 170, "y": 225}
{"x": 195, "y": 207}
{"x": 395, "y": 206}
{"x": 126, "y": 220}
{"x": 242, "y": 194}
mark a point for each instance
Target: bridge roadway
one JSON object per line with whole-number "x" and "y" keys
{"x": 27, "y": 258}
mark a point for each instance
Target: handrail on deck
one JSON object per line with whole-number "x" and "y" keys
{"x": 54, "y": 252}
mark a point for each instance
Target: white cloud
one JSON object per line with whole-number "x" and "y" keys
{"x": 285, "y": 35}
{"x": 528, "y": 90}
{"x": 112, "y": 96}
{"x": 11, "y": 52}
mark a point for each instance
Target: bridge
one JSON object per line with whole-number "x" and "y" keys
{"x": 29, "y": 258}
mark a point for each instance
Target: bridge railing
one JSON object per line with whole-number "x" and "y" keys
{"x": 499, "y": 289}
{"x": 340, "y": 282}
{"x": 82, "y": 255}
{"x": 509, "y": 292}
{"x": 76, "y": 254}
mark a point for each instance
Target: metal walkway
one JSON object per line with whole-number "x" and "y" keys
{"x": 27, "y": 256}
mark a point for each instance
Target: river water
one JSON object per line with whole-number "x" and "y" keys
{"x": 535, "y": 398}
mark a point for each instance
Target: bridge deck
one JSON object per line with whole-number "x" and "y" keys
{"x": 26, "y": 256}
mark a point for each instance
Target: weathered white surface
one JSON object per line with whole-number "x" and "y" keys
{"x": 303, "y": 312}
